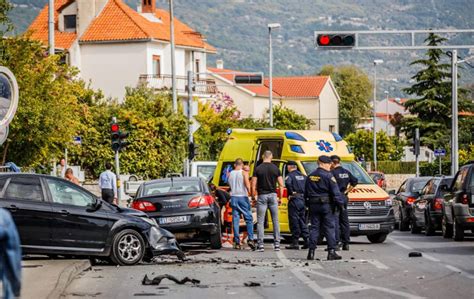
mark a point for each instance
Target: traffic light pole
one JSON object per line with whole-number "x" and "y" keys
{"x": 117, "y": 173}
{"x": 190, "y": 121}
{"x": 417, "y": 151}
{"x": 454, "y": 117}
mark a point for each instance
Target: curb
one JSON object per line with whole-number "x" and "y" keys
{"x": 67, "y": 276}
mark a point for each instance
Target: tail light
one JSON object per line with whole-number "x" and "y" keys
{"x": 143, "y": 205}
{"x": 464, "y": 199}
{"x": 285, "y": 193}
{"x": 411, "y": 200}
{"x": 201, "y": 201}
{"x": 438, "y": 204}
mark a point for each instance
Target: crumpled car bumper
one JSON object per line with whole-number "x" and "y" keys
{"x": 163, "y": 242}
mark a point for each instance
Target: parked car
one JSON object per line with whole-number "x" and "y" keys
{"x": 458, "y": 204}
{"x": 57, "y": 217}
{"x": 379, "y": 178}
{"x": 406, "y": 195}
{"x": 184, "y": 206}
{"x": 427, "y": 210}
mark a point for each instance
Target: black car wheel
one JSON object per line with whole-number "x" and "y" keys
{"x": 446, "y": 228}
{"x": 377, "y": 238}
{"x": 458, "y": 231}
{"x": 216, "y": 239}
{"x": 429, "y": 227}
{"x": 414, "y": 229}
{"x": 128, "y": 248}
{"x": 404, "y": 223}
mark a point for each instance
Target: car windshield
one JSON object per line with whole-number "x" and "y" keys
{"x": 417, "y": 185}
{"x": 205, "y": 171}
{"x": 353, "y": 167}
{"x": 163, "y": 187}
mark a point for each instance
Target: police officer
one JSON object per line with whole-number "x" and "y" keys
{"x": 322, "y": 195}
{"x": 346, "y": 181}
{"x": 294, "y": 183}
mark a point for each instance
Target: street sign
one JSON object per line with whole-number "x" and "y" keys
{"x": 440, "y": 152}
{"x": 77, "y": 140}
{"x": 8, "y": 96}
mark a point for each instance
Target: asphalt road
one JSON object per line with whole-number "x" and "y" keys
{"x": 446, "y": 270}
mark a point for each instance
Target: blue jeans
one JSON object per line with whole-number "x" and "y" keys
{"x": 241, "y": 206}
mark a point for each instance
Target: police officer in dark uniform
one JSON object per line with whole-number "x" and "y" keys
{"x": 322, "y": 195}
{"x": 346, "y": 181}
{"x": 295, "y": 183}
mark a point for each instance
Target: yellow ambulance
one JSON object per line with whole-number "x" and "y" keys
{"x": 370, "y": 209}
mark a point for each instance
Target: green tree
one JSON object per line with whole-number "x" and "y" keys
{"x": 354, "y": 89}
{"x": 431, "y": 107}
{"x": 47, "y": 115}
{"x": 287, "y": 119}
{"x": 5, "y": 24}
{"x": 387, "y": 148}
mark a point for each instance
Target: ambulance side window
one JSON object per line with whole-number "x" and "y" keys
{"x": 275, "y": 146}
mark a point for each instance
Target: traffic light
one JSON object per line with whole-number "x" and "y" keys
{"x": 118, "y": 137}
{"x": 335, "y": 40}
{"x": 248, "y": 79}
{"x": 192, "y": 151}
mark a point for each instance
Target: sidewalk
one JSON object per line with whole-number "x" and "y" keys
{"x": 46, "y": 278}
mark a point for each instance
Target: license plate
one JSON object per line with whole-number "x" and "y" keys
{"x": 421, "y": 206}
{"x": 369, "y": 226}
{"x": 176, "y": 219}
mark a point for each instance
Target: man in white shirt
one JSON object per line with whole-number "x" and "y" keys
{"x": 108, "y": 184}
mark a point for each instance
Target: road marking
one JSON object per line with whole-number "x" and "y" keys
{"x": 463, "y": 273}
{"x": 385, "y": 290}
{"x": 346, "y": 289}
{"x": 378, "y": 264}
{"x": 400, "y": 244}
{"x": 302, "y": 277}
{"x": 431, "y": 258}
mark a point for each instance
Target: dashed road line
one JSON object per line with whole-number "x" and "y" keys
{"x": 463, "y": 273}
{"x": 346, "y": 289}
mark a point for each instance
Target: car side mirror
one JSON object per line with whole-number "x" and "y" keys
{"x": 391, "y": 192}
{"x": 95, "y": 205}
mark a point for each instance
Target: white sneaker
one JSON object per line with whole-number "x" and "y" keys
{"x": 261, "y": 249}
{"x": 276, "y": 247}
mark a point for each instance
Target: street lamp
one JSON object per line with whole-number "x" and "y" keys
{"x": 386, "y": 111}
{"x": 270, "y": 70}
{"x": 376, "y": 62}
{"x": 173, "y": 63}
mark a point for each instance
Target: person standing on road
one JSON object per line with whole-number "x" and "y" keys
{"x": 264, "y": 181}
{"x": 346, "y": 181}
{"x": 239, "y": 201}
{"x": 108, "y": 184}
{"x": 322, "y": 194}
{"x": 295, "y": 183}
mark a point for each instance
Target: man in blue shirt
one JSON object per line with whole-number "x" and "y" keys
{"x": 322, "y": 195}
{"x": 108, "y": 184}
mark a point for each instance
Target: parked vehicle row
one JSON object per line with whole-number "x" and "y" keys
{"x": 437, "y": 203}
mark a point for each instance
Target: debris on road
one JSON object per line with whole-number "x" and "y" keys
{"x": 415, "y": 254}
{"x": 157, "y": 280}
{"x": 252, "y": 284}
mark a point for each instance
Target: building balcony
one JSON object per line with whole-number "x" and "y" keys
{"x": 202, "y": 87}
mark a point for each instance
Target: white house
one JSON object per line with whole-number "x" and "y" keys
{"x": 315, "y": 97}
{"x": 115, "y": 46}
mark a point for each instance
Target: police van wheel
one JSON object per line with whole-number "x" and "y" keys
{"x": 377, "y": 238}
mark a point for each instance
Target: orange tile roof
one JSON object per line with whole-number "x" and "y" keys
{"x": 118, "y": 22}
{"x": 39, "y": 28}
{"x": 288, "y": 87}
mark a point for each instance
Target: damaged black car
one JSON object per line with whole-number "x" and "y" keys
{"x": 57, "y": 217}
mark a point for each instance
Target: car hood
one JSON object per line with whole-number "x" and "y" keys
{"x": 131, "y": 212}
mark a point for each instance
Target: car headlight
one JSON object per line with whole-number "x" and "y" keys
{"x": 388, "y": 202}
{"x": 150, "y": 221}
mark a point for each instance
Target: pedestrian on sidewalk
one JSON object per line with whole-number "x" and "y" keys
{"x": 70, "y": 176}
{"x": 264, "y": 184}
{"x": 108, "y": 184}
{"x": 322, "y": 195}
{"x": 10, "y": 256}
{"x": 61, "y": 169}
{"x": 346, "y": 181}
{"x": 295, "y": 183}
{"x": 239, "y": 189}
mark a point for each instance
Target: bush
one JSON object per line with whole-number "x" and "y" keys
{"x": 396, "y": 167}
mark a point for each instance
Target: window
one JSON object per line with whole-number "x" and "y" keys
{"x": 171, "y": 186}
{"x": 68, "y": 194}
{"x": 27, "y": 188}
{"x": 197, "y": 69}
{"x": 2, "y": 183}
{"x": 459, "y": 179}
{"x": 205, "y": 171}
{"x": 156, "y": 66}
{"x": 69, "y": 22}
{"x": 402, "y": 187}
{"x": 275, "y": 146}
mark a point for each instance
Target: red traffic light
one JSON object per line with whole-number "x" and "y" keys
{"x": 335, "y": 40}
{"x": 114, "y": 128}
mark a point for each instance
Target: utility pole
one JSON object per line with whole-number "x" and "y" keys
{"x": 270, "y": 71}
{"x": 454, "y": 117}
{"x": 376, "y": 62}
{"x": 51, "y": 27}
{"x": 417, "y": 151}
{"x": 190, "y": 118}
{"x": 173, "y": 59}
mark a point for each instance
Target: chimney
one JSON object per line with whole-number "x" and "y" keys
{"x": 148, "y": 6}
{"x": 220, "y": 64}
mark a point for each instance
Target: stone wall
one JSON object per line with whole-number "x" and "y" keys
{"x": 395, "y": 180}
